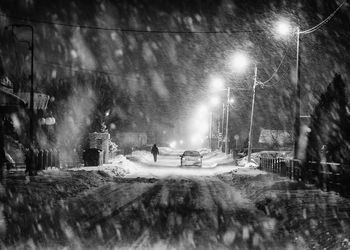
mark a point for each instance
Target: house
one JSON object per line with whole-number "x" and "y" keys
{"x": 275, "y": 138}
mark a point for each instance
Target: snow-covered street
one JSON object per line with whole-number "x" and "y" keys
{"x": 162, "y": 206}
{"x": 168, "y": 164}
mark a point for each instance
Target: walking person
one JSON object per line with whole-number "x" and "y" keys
{"x": 155, "y": 152}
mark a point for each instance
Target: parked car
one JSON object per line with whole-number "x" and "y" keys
{"x": 191, "y": 158}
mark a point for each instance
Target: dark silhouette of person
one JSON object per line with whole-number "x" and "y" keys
{"x": 155, "y": 152}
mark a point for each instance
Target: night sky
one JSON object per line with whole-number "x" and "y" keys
{"x": 155, "y": 80}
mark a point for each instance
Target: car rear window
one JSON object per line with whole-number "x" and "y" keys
{"x": 191, "y": 153}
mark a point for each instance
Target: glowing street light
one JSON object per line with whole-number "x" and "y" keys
{"x": 239, "y": 61}
{"x": 217, "y": 83}
{"x": 172, "y": 144}
{"x": 202, "y": 111}
{"x": 214, "y": 101}
{"x": 283, "y": 28}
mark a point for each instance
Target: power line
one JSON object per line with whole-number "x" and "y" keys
{"x": 54, "y": 64}
{"x": 274, "y": 84}
{"x": 275, "y": 72}
{"x": 228, "y": 31}
{"x": 318, "y": 26}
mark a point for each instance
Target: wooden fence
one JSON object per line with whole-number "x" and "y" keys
{"x": 326, "y": 175}
{"x": 43, "y": 158}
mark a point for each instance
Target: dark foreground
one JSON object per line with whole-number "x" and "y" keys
{"x": 89, "y": 210}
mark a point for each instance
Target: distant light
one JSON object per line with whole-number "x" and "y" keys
{"x": 202, "y": 110}
{"x": 283, "y": 28}
{"x": 217, "y": 83}
{"x": 195, "y": 139}
{"x": 231, "y": 100}
{"x": 107, "y": 113}
{"x": 181, "y": 142}
{"x": 73, "y": 54}
{"x": 239, "y": 61}
{"x": 113, "y": 126}
{"x": 200, "y": 126}
{"x": 172, "y": 144}
{"x": 214, "y": 100}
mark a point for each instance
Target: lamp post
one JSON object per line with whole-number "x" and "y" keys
{"x": 222, "y": 123}
{"x": 210, "y": 129}
{"x": 214, "y": 101}
{"x": 284, "y": 28}
{"x": 252, "y": 115}
{"x": 227, "y": 116}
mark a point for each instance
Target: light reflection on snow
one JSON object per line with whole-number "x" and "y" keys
{"x": 141, "y": 165}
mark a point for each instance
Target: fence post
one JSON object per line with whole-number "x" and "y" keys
{"x": 57, "y": 162}
{"x": 40, "y": 160}
{"x": 50, "y": 156}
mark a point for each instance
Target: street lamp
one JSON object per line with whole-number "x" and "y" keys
{"x": 214, "y": 101}
{"x": 217, "y": 84}
{"x": 284, "y": 28}
{"x": 239, "y": 61}
{"x": 227, "y": 115}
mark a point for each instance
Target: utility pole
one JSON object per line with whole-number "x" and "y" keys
{"x": 227, "y": 119}
{"x": 297, "y": 100}
{"x": 222, "y": 124}
{"x": 210, "y": 129}
{"x": 252, "y": 116}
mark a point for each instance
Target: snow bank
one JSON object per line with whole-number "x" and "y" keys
{"x": 141, "y": 155}
{"x": 255, "y": 157}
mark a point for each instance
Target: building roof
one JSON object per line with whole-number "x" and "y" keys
{"x": 10, "y": 102}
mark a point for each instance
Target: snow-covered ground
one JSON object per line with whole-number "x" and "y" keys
{"x": 141, "y": 164}
{"x": 134, "y": 203}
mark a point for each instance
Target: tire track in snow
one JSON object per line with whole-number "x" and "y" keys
{"x": 185, "y": 214}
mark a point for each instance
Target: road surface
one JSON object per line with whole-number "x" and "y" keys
{"x": 163, "y": 206}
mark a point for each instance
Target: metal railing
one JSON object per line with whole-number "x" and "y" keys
{"x": 284, "y": 167}
{"x": 326, "y": 175}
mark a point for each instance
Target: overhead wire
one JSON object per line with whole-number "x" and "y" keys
{"x": 76, "y": 69}
{"x": 228, "y": 31}
{"x": 308, "y": 31}
{"x": 274, "y": 73}
{"x": 318, "y": 26}
{"x": 276, "y": 83}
